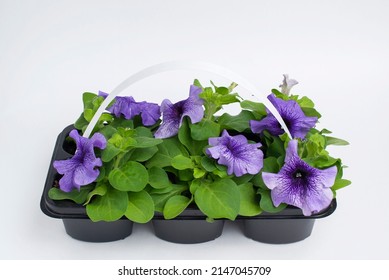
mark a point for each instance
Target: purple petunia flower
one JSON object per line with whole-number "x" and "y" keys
{"x": 300, "y": 184}
{"x": 129, "y": 108}
{"x": 287, "y": 84}
{"x": 173, "y": 114}
{"x": 236, "y": 153}
{"x": 80, "y": 169}
{"x": 294, "y": 118}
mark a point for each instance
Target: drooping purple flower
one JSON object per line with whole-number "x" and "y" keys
{"x": 287, "y": 84}
{"x": 300, "y": 184}
{"x": 236, "y": 153}
{"x": 81, "y": 169}
{"x": 129, "y": 108}
{"x": 293, "y": 116}
{"x": 173, "y": 114}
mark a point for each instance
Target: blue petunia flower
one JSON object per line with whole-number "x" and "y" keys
{"x": 173, "y": 114}
{"x": 81, "y": 169}
{"x": 236, "y": 153}
{"x": 300, "y": 184}
{"x": 129, "y": 108}
{"x": 293, "y": 116}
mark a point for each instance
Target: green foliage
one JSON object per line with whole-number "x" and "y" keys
{"x": 175, "y": 205}
{"x": 140, "y": 207}
{"x": 239, "y": 122}
{"x": 77, "y": 196}
{"x": 220, "y": 199}
{"x": 109, "y": 207}
{"x": 132, "y": 176}
{"x": 142, "y": 174}
{"x": 249, "y": 201}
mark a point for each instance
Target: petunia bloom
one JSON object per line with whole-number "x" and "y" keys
{"x": 293, "y": 116}
{"x": 300, "y": 184}
{"x": 81, "y": 169}
{"x": 236, "y": 153}
{"x": 129, "y": 108}
{"x": 287, "y": 84}
{"x": 173, "y": 114}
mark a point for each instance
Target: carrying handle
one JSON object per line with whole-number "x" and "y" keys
{"x": 182, "y": 65}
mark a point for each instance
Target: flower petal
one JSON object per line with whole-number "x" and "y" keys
{"x": 98, "y": 140}
{"x": 268, "y": 123}
{"x": 236, "y": 153}
{"x": 170, "y": 124}
{"x": 291, "y": 150}
{"x": 300, "y": 184}
{"x": 66, "y": 183}
{"x": 328, "y": 176}
{"x": 317, "y": 201}
{"x": 271, "y": 180}
{"x": 83, "y": 176}
{"x": 150, "y": 113}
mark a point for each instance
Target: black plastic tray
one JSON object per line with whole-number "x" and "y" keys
{"x": 287, "y": 226}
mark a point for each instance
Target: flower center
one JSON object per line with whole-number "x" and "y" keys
{"x": 299, "y": 174}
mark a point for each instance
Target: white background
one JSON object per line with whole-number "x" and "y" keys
{"x": 52, "y": 51}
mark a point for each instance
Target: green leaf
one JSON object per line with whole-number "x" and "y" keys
{"x": 146, "y": 142}
{"x": 242, "y": 179}
{"x": 258, "y": 108}
{"x": 167, "y": 150}
{"x": 276, "y": 148}
{"x": 198, "y": 173}
{"x": 109, "y": 152}
{"x": 87, "y": 99}
{"x": 249, "y": 201}
{"x": 208, "y": 164}
{"x": 197, "y": 83}
{"x": 279, "y": 94}
{"x": 140, "y": 207}
{"x": 195, "y": 184}
{"x": 336, "y": 141}
{"x": 143, "y": 154}
{"x": 161, "y": 198}
{"x": 204, "y": 130}
{"x": 175, "y": 205}
{"x": 340, "y": 183}
{"x": 325, "y": 131}
{"x": 158, "y": 178}
{"x": 108, "y": 131}
{"x": 100, "y": 189}
{"x": 132, "y": 176}
{"x": 88, "y": 114}
{"x": 306, "y": 102}
{"x": 221, "y": 199}
{"x": 266, "y": 202}
{"x": 121, "y": 122}
{"x": 258, "y": 181}
{"x": 239, "y": 122}
{"x": 185, "y": 175}
{"x": 181, "y": 162}
{"x": 311, "y": 112}
{"x": 78, "y": 196}
{"x": 81, "y": 123}
{"x": 270, "y": 164}
{"x": 109, "y": 207}
{"x": 144, "y": 131}
{"x": 184, "y": 136}
{"x": 226, "y": 99}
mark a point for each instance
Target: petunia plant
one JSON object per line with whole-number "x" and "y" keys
{"x": 144, "y": 158}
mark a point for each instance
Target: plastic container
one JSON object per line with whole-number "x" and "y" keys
{"x": 287, "y": 226}
{"x": 191, "y": 226}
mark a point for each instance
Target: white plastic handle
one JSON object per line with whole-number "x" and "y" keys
{"x": 182, "y": 65}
